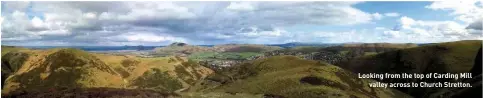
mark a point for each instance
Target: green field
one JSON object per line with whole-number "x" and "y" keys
{"x": 223, "y": 55}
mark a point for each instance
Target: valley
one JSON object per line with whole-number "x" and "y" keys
{"x": 234, "y": 70}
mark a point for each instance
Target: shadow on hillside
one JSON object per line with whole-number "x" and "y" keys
{"x": 90, "y": 93}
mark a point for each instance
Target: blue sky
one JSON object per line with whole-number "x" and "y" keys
{"x": 161, "y": 23}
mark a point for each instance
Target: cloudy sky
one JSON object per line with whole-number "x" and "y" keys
{"x": 161, "y": 23}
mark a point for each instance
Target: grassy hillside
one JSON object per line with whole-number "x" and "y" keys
{"x": 223, "y": 55}
{"x": 180, "y": 50}
{"x": 101, "y": 92}
{"x": 60, "y": 68}
{"x": 6, "y": 49}
{"x": 34, "y": 70}
{"x": 380, "y": 45}
{"x": 245, "y": 48}
{"x": 442, "y": 57}
{"x": 292, "y": 77}
{"x": 452, "y": 57}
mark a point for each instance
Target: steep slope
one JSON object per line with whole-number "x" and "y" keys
{"x": 60, "y": 68}
{"x": 292, "y": 77}
{"x": 442, "y": 57}
{"x": 101, "y": 92}
{"x": 450, "y": 57}
{"x": 161, "y": 73}
{"x": 464, "y": 92}
{"x": 36, "y": 70}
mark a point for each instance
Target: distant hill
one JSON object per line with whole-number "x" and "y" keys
{"x": 37, "y": 70}
{"x": 296, "y": 44}
{"x": 292, "y": 77}
{"x": 180, "y": 49}
{"x": 338, "y": 52}
{"x": 245, "y": 48}
{"x": 184, "y": 49}
{"x": 445, "y": 57}
{"x": 371, "y": 47}
{"x": 452, "y": 57}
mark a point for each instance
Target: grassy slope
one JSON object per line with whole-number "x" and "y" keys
{"x": 173, "y": 50}
{"x": 245, "y": 48}
{"x": 383, "y": 45}
{"x": 305, "y": 49}
{"x": 443, "y": 57}
{"x": 44, "y": 69}
{"x": 453, "y": 57}
{"x": 60, "y": 68}
{"x": 284, "y": 76}
{"x": 222, "y": 55}
{"x": 6, "y": 49}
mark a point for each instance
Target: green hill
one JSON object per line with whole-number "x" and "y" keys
{"x": 441, "y": 57}
{"x": 245, "y": 48}
{"x": 38, "y": 70}
{"x": 449, "y": 57}
{"x": 6, "y": 49}
{"x": 292, "y": 77}
{"x": 59, "y": 68}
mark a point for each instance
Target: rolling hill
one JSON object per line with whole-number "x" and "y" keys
{"x": 37, "y": 70}
{"x": 292, "y": 77}
{"x": 449, "y": 57}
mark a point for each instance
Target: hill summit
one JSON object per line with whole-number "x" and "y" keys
{"x": 178, "y": 44}
{"x": 293, "y": 77}
{"x": 57, "y": 68}
{"x": 40, "y": 70}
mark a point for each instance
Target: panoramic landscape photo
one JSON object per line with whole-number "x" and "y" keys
{"x": 241, "y": 49}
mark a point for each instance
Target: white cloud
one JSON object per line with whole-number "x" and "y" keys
{"x": 406, "y": 22}
{"x": 240, "y": 6}
{"x": 54, "y": 33}
{"x": 156, "y": 11}
{"x": 37, "y": 22}
{"x": 466, "y": 11}
{"x": 145, "y": 37}
{"x": 379, "y": 28}
{"x": 392, "y": 14}
{"x": 392, "y": 34}
{"x": 13, "y": 6}
{"x": 377, "y": 16}
{"x": 1, "y": 19}
{"x": 90, "y": 15}
{"x": 255, "y": 32}
{"x": 89, "y": 22}
{"x": 429, "y": 31}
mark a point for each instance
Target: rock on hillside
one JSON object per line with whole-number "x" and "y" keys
{"x": 292, "y": 77}
{"x": 37, "y": 70}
